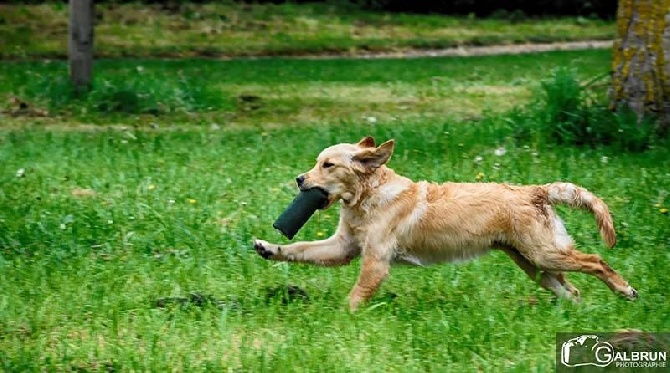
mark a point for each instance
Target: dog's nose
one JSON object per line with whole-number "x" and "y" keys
{"x": 300, "y": 180}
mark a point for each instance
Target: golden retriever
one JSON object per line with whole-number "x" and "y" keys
{"x": 387, "y": 218}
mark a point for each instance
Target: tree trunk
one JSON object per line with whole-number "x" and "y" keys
{"x": 641, "y": 59}
{"x": 80, "y": 46}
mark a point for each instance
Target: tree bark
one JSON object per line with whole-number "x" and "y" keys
{"x": 641, "y": 59}
{"x": 80, "y": 46}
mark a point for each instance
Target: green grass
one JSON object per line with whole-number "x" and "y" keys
{"x": 287, "y": 91}
{"x": 107, "y": 220}
{"x": 79, "y": 274}
{"x": 250, "y": 30}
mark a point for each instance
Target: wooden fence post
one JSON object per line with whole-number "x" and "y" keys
{"x": 80, "y": 45}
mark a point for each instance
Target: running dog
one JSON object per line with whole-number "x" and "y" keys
{"x": 387, "y": 218}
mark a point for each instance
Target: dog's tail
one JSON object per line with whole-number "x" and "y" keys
{"x": 578, "y": 197}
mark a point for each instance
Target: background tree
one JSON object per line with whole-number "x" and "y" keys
{"x": 80, "y": 44}
{"x": 641, "y": 59}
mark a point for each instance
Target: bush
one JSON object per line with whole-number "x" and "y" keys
{"x": 568, "y": 111}
{"x": 128, "y": 92}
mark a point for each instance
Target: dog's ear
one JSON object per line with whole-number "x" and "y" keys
{"x": 367, "y": 142}
{"x": 370, "y": 159}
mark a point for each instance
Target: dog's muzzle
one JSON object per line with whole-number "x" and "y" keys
{"x": 300, "y": 180}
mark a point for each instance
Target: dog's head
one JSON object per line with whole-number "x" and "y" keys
{"x": 340, "y": 169}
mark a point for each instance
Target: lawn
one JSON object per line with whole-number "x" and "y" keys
{"x": 112, "y": 216}
{"x": 163, "y": 30}
{"x": 267, "y": 93}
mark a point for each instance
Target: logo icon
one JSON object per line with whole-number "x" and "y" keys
{"x": 585, "y": 350}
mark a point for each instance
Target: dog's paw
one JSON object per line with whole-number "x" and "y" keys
{"x": 264, "y": 249}
{"x": 631, "y": 293}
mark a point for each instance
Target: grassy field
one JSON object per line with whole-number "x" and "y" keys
{"x": 267, "y": 93}
{"x": 112, "y": 216}
{"x": 251, "y": 29}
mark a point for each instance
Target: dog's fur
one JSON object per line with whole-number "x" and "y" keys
{"x": 387, "y": 218}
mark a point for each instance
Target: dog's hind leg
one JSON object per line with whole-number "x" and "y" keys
{"x": 560, "y": 276}
{"x": 552, "y": 281}
{"x": 573, "y": 260}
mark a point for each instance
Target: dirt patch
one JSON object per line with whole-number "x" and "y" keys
{"x": 286, "y": 294}
{"x": 466, "y": 51}
{"x": 194, "y": 300}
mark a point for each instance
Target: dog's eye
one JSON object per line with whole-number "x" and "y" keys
{"x": 328, "y": 165}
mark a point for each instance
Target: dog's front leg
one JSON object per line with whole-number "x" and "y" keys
{"x": 374, "y": 270}
{"x": 339, "y": 249}
{"x": 330, "y": 252}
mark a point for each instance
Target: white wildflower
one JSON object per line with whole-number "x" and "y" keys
{"x": 478, "y": 159}
{"x": 500, "y": 151}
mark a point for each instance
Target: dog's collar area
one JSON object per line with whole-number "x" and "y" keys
{"x": 349, "y": 198}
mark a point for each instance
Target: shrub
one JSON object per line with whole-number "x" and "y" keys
{"x": 569, "y": 111}
{"x": 127, "y": 92}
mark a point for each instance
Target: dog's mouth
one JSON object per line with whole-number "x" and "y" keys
{"x": 325, "y": 197}
{"x": 329, "y": 202}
